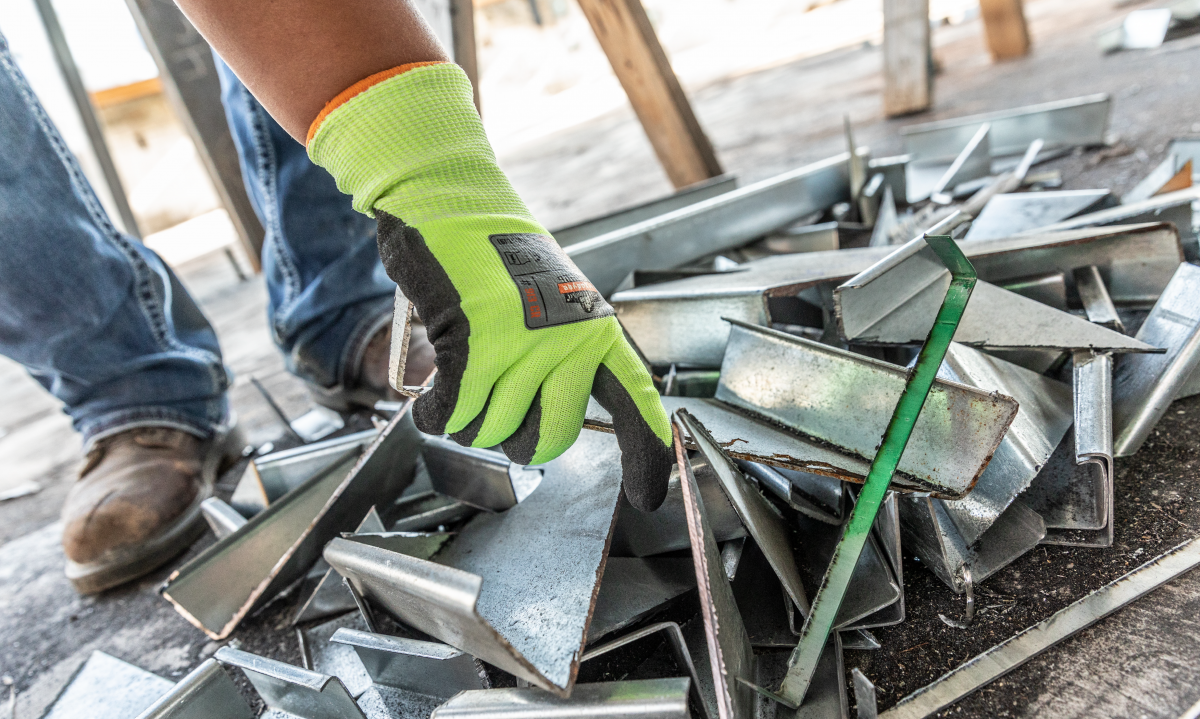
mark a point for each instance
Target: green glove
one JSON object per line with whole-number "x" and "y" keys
{"x": 522, "y": 338}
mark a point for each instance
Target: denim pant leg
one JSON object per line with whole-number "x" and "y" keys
{"x": 328, "y": 291}
{"x": 96, "y": 317}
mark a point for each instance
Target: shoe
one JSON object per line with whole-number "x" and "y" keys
{"x": 370, "y": 379}
{"x": 136, "y": 503}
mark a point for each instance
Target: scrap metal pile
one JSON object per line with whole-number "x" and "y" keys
{"x": 824, "y": 422}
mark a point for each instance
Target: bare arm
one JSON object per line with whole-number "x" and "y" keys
{"x": 297, "y": 55}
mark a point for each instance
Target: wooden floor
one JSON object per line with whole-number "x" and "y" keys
{"x": 1142, "y": 662}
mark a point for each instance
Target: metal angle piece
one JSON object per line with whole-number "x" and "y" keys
{"x": 764, "y": 522}
{"x": 480, "y": 477}
{"x": 1043, "y": 417}
{"x": 320, "y": 655}
{"x": 712, "y": 225}
{"x": 222, "y": 519}
{"x": 827, "y": 602}
{"x": 844, "y": 399}
{"x": 633, "y": 588}
{"x": 331, "y": 596}
{"x": 730, "y": 655}
{"x": 873, "y": 588}
{"x": 222, "y": 584}
{"x": 642, "y": 534}
{"x": 768, "y": 613}
{"x": 1174, "y": 207}
{"x": 931, "y": 535}
{"x": 859, "y": 640}
{"x": 1144, "y": 386}
{"x": 430, "y": 668}
{"x": 613, "y": 221}
{"x": 812, "y": 495}
{"x": 1060, "y": 124}
{"x": 756, "y": 440}
{"x": 206, "y": 692}
{"x": 892, "y": 302}
{"x": 1083, "y": 513}
{"x": 679, "y": 647}
{"x": 89, "y": 694}
{"x": 1013, "y": 652}
{"x": 1009, "y": 214}
{"x": 1170, "y": 175}
{"x": 639, "y": 699}
{"x": 864, "y": 695}
{"x": 682, "y": 321}
{"x": 1073, "y": 498}
{"x": 1097, "y": 303}
{"x": 972, "y": 163}
{"x": 485, "y": 596}
{"x": 291, "y": 692}
{"x": 887, "y": 221}
{"x": 280, "y": 472}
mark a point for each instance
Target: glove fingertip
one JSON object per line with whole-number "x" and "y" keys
{"x": 521, "y": 445}
{"x": 647, "y": 472}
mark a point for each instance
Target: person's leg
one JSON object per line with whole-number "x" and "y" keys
{"x": 105, "y": 326}
{"x": 329, "y": 293}
{"x": 325, "y": 280}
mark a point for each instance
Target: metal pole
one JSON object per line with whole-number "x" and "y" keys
{"x": 91, "y": 123}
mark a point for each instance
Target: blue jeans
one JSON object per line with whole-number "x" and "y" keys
{"x": 101, "y": 321}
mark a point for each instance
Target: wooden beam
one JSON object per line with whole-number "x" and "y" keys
{"x": 638, "y": 59}
{"x": 907, "y": 75}
{"x": 462, "y": 20}
{"x": 1005, "y": 28}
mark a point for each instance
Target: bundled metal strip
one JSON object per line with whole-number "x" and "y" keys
{"x": 820, "y": 621}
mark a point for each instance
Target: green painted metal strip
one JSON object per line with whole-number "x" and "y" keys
{"x": 837, "y": 578}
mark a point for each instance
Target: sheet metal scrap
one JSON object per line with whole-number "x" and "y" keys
{"x": 640, "y": 699}
{"x": 1012, "y": 653}
{"x": 1144, "y": 387}
{"x": 1060, "y": 124}
{"x": 683, "y": 321}
{"x": 221, "y": 585}
{"x": 1044, "y": 415}
{"x": 764, "y": 522}
{"x": 892, "y": 302}
{"x": 485, "y": 595}
{"x": 409, "y": 677}
{"x": 291, "y": 692}
{"x": 1074, "y": 491}
{"x": 481, "y": 478}
{"x": 757, "y": 440}
{"x": 1173, "y": 207}
{"x": 728, "y": 220}
{"x": 844, "y": 399}
{"x": 89, "y": 693}
{"x": 206, "y": 692}
{"x": 1006, "y": 215}
{"x": 330, "y": 596}
{"x": 820, "y": 622}
{"x": 731, "y": 658}
{"x": 634, "y": 587}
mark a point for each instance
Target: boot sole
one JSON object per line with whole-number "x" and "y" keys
{"x": 132, "y": 562}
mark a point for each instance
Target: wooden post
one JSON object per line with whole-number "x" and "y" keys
{"x": 628, "y": 39}
{"x": 907, "y": 75}
{"x": 1004, "y": 25}
{"x": 462, "y": 19}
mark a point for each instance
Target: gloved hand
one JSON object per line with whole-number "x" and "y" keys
{"x": 521, "y": 336}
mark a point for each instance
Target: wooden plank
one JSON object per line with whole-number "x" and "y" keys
{"x": 1005, "y": 28}
{"x": 907, "y": 75}
{"x": 126, "y": 93}
{"x": 189, "y": 77}
{"x": 638, "y": 59}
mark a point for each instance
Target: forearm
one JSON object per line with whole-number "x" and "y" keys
{"x": 295, "y": 56}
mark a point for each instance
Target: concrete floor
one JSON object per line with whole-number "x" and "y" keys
{"x": 1141, "y": 662}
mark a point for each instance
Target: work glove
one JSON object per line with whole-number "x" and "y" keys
{"x": 521, "y": 337}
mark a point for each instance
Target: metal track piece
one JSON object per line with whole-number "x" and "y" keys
{"x": 291, "y": 692}
{"x": 641, "y": 699}
{"x": 206, "y": 692}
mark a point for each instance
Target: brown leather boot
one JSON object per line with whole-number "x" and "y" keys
{"x": 137, "y": 503}
{"x": 370, "y": 378}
